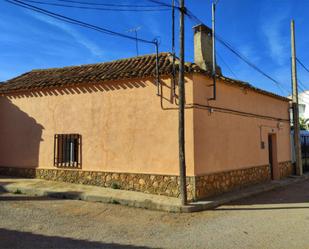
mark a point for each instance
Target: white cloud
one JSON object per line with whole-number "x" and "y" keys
{"x": 92, "y": 47}
{"x": 250, "y": 52}
{"x": 277, "y": 42}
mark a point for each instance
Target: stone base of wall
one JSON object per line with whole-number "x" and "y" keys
{"x": 214, "y": 184}
{"x": 147, "y": 183}
{"x": 286, "y": 169}
{"x": 198, "y": 187}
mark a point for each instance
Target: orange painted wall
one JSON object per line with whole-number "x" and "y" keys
{"x": 227, "y": 141}
{"x": 126, "y": 128}
{"x": 123, "y": 127}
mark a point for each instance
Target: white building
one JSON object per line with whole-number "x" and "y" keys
{"x": 303, "y": 104}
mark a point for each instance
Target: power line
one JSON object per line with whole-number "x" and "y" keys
{"x": 302, "y": 64}
{"x": 238, "y": 54}
{"x": 75, "y": 21}
{"x": 242, "y": 57}
{"x": 107, "y": 4}
{"x": 301, "y": 85}
{"x": 227, "y": 66}
{"x": 110, "y": 32}
{"x": 119, "y": 8}
{"x": 193, "y": 17}
{"x": 303, "y": 92}
{"x": 161, "y": 3}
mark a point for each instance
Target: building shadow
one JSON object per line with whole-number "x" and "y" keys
{"x": 167, "y": 98}
{"x": 18, "y": 197}
{"x": 2, "y": 189}
{"x": 81, "y": 88}
{"x": 20, "y": 137}
{"x": 11, "y": 239}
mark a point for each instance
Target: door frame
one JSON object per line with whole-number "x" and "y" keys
{"x": 273, "y": 156}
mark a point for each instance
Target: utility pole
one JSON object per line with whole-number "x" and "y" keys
{"x": 173, "y": 50}
{"x": 213, "y": 19}
{"x": 297, "y": 147}
{"x": 181, "y": 93}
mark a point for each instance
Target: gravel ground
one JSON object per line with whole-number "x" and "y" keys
{"x": 277, "y": 219}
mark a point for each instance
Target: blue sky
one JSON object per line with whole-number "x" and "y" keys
{"x": 258, "y": 29}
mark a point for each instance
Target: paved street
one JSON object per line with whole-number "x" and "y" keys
{"x": 278, "y": 219}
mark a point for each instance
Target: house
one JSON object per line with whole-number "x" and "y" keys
{"x": 104, "y": 124}
{"x": 303, "y": 108}
{"x": 303, "y": 104}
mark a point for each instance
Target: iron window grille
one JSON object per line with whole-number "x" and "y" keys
{"x": 67, "y": 150}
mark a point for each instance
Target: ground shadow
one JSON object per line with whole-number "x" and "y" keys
{"x": 18, "y": 197}
{"x": 71, "y": 195}
{"x": 2, "y": 189}
{"x": 11, "y": 239}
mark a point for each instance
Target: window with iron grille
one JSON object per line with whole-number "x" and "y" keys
{"x": 67, "y": 150}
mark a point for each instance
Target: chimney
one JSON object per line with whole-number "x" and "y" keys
{"x": 203, "y": 48}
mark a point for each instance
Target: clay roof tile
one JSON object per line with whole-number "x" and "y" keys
{"x": 136, "y": 67}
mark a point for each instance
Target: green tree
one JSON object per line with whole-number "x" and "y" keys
{"x": 303, "y": 123}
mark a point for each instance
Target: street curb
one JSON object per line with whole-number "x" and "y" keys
{"x": 145, "y": 204}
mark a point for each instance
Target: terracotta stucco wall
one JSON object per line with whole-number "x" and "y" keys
{"x": 227, "y": 140}
{"x": 124, "y": 127}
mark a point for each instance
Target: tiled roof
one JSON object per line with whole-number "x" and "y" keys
{"x": 136, "y": 67}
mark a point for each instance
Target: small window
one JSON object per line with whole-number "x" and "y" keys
{"x": 67, "y": 151}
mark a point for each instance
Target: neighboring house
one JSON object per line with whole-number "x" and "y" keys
{"x": 303, "y": 104}
{"x": 104, "y": 124}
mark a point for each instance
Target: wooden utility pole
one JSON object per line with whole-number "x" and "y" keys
{"x": 297, "y": 146}
{"x": 173, "y": 51}
{"x": 213, "y": 19}
{"x": 181, "y": 93}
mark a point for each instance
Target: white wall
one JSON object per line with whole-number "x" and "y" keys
{"x": 303, "y": 100}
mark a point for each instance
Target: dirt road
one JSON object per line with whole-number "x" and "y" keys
{"x": 278, "y": 219}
